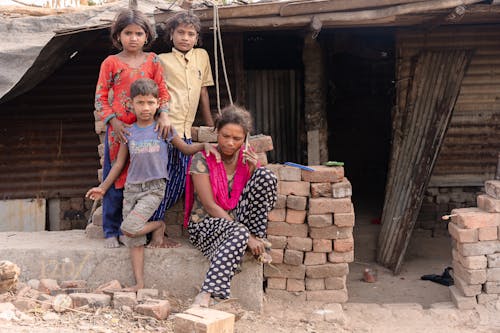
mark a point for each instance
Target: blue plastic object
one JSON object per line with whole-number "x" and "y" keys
{"x": 300, "y": 166}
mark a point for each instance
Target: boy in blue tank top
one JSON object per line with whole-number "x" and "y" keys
{"x": 147, "y": 175}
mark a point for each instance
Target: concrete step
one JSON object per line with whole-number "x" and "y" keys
{"x": 70, "y": 255}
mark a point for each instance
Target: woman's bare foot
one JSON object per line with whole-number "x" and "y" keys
{"x": 111, "y": 242}
{"x": 202, "y": 300}
{"x": 133, "y": 288}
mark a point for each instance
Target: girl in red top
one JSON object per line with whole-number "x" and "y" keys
{"x": 130, "y": 33}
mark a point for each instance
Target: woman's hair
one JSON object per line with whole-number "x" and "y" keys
{"x": 234, "y": 114}
{"x": 127, "y": 17}
{"x": 186, "y": 18}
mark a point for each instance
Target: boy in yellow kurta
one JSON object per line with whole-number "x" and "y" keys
{"x": 188, "y": 74}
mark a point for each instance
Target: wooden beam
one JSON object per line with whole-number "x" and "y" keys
{"x": 315, "y": 7}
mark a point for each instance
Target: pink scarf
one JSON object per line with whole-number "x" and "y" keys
{"x": 218, "y": 180}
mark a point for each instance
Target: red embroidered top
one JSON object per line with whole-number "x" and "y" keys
{"x": 112, "y": 97}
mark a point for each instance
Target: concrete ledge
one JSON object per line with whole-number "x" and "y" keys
{"x": 70, "y": 255}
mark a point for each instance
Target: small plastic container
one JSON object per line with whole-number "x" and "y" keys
{"x": 370, "y": 275}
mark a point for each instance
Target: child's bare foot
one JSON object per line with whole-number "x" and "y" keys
{"x": 133, "y": 288}
{"x": 202, "y": 299}
{"x": 111, "y": 242}
{"x": 157, "y": 238}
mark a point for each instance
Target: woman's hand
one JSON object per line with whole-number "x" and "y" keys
{"x": 211, "y": 149}
{"x": 163, "y": 125}
{"x": 256, "y": 246}
{"x": 95, "y": 193}
{"x": 120, "y": 129}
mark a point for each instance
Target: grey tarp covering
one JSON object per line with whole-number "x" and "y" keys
{"x": 32, "y": 47}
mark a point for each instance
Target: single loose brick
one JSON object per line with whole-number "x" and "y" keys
{"x": 321, "y": 190}
{"x": 342, "y": 189}
{"x": 330, "y": 205}
{"x": 293, "y": 257}
{"x": 313, "y": 258}
{"x": 261, "y": 143}
{"x": 276, "y": 283}
{"x": 277, "y": 215}
{"x": 295, "y": 188}
{"x": 327, "y": 270}
{"x": 315, "y": 284}
{"x": 299, "y": 243}
{"x": 331, "y": 232}
{"x": 295, "y": 216}
{"x": 287, "y": 229}
{"x": 470, "y": 262}
{"x": 278, "y": 242}
{"x": 292, "y": 174}
{"x": 322, "y": 245}
{"x": 479, "y": 248}
{"x": 344, "y": 219}
{"x": 463, "y": 235}
{"x": 336, "y": 283}
{"x": 471, "y": 218}
{"x": 488, "y": 203}
{"x": 320, "y": 221}
{"x": 343, "y": 245}
{"x": 296, "y": 202}
{"x": 295, "y": 285}
{"x": 323, "y": 174}
{"x": 340, "y": 257}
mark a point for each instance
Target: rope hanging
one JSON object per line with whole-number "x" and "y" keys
{"x": 218, "y": 41}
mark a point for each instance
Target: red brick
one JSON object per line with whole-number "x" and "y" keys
{"x": 287, "y": 229}
{"x": 295, "y": 285}
{"x": 276, "y": 283}
{"x": 488, "y": 203}
{"x": 261, "y": 143}
{"x": 278, "y": 242}
{"x": 341, "y": 257}
{"x": 335, "y": 283}
{"x": 280, "y": 201}
{"x": 471, "y": 218}
{"x": 122, "y": 298}
{"x": 342, "y": 189}
{"x": 207, "y": 134}
{"x": 285, "y": 271}
{"x": 92, "y": 300}
{"x": 330, "y": 296}
{"x": 463, "y": 235}
{"x": 296, "y": 202}
{"x": 277, "y": 255}
{"x": 327, "y": 270}
{"x": 295, "y": 216}
{"x": 470, "y": 262}
{"x": 277, "y": 215}
{"x": 293, "y": 257}
{"x": 156, "y": 308}
{"x": 313, "y": 258}
{"x": 470, "y": 276}
{"x": 299, "y": 243}
{"x": 315, "y": 284}
{"x": 194, "y": 133}
{"x": 330, "y": 205}
{"x": 321, "y": 190}
{"x": 323, "y": 174}
{"x": 331, "y": 232}
{"x": 292, "y": 174}
{"x": 343, "y": 245}
{"x": 322, "y": 245}
{"x": 295, "y": 188}
{"x": 492, "y": 188}
{"x": 320, "y": 221}
{"x": 488, "y": 233}
{"x": 343, "y": 219}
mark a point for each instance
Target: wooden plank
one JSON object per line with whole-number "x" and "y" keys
{"x": 419, "y": 127}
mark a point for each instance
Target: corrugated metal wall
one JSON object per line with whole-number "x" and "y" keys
{"x": 48, "y": 146}
{"x": 471, "y": 145}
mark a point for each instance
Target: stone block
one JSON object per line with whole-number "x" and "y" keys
{"x": 290, "y": 174}
{"x": 314, "y": 258}
{"x": 327, "y": 270}
{"x": 342, "y": 189}
{"x": 320, "y": 221}
{"x": 340, "y": 257}
{"x": 322, "y": 245}
{"x": 294, "y": 188}
{"x": 343, "y": 219}
{"x": 293, "y": 257}
{"x": 295, "y": 285}
{"x": 323, "y": 174}
{"x": 330, "y": 205}
{"x": 488, "y": 203}
{"x": 492, "y": 188}
{"x": 295, "y": 202}
{"x": 155, "y": 308}
{"x": 299, "y": 243}
{"x": 295, "y": 216}
{"x": 321, "y": 190}
{"x": 287, "y": 229}
{"x": 462, "y": 302}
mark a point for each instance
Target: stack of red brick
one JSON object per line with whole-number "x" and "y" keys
{"x": 311, "y": 230}
{"x": 476, "y": 249}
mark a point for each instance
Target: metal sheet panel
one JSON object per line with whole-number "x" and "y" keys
{"x": 471, "y": 145}
{"x": 22, "y": 215}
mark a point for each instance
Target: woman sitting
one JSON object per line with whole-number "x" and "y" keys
{"x": 227, "y": 203}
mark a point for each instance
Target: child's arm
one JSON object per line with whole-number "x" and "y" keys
{"x": 190, "y": 149}
{"x": 121, "y": 159}
{"x": 205, "y": 107}
{"x": 163, "y": 123}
